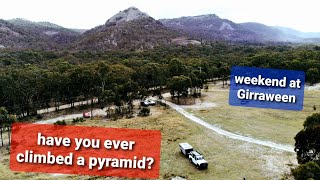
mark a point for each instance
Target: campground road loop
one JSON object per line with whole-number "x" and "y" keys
{"x": 228, "y": 134}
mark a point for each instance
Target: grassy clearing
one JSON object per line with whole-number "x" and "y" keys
{"x": 268, "y": 124}
{"x": 228, "y": 159}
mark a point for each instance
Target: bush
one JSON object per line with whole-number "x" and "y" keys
{"x": 310, "y": 170}
{"x": 312, "y": 120}
{"x": 307, "y": 144}
{"x": 78, "y": 119}
{"x": 145, "y": 111}
{"x": 63, "y": 123}
{"x": 129, "y": 116}
{"x": 39, "y": 116}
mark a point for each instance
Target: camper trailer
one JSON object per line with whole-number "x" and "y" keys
{"x": 185, "y": 148}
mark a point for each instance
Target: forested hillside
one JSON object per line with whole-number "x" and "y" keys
{"x": 24, "y": 34}
{"x": 31, "y": 80}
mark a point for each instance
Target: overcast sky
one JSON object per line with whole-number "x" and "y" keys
{"x": 85, "y": 14}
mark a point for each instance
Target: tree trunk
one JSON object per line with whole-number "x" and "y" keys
{"x": 91, "y": 108}
{"x": 222, "y": 81}
{"x": 59, "y": 105}
{"x": 55, "y": 105}
{"x": 9, "y": 138}
{"x": 1, "y": 136}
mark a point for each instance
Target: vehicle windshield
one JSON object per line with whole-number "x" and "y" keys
{"x": 199, "y": 157}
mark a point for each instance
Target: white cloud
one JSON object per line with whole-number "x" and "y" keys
{"x": 298, "y": 14}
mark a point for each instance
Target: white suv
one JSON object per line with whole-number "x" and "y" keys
{"x": 197, "y": 159}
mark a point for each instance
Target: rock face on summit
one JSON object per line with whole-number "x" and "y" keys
{"x": 129, "y": 14}
{"x": 130, "y": 29}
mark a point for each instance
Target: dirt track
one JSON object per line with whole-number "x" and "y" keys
{"x": 228, "y": 134}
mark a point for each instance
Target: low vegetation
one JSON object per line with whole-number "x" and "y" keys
{"x": 145, "y": 111}
{"x": 63, "y": 123}
{"x": 77, "y": 120}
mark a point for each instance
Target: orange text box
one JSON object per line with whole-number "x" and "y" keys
{"x": 85, "y": 150}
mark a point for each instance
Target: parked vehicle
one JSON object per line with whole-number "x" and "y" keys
{"x": 194, "y": 157}
{"x": 150, "y": 102}
{"x": 147, "y": 102}
{"x": 86, "y": 115}
{"x": 197, "y": 159}
{"x": 185, "y": 148}
{"x": 144, "y": 103}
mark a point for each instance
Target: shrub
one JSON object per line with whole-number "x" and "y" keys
{"x": 39, "y": 116}
{"x": 78, "y": 119}
{"x": 307, "y": 144}
{"x": 145, "y": 111}
{"x": 310, "y": 170}
{"x": 312, "y": 120}
{"x": 63, "y": 123}
{"x": 130, "y": 115}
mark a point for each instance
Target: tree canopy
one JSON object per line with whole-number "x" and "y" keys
{"x": 32, "y": 80}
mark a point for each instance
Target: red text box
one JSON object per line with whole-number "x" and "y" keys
{"x": 85, "y": 150}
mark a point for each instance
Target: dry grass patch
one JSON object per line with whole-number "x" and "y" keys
{"x": 227, "y": 158}
{"x": 268, "y": 124}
